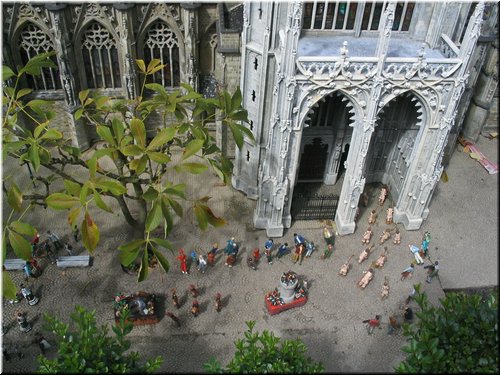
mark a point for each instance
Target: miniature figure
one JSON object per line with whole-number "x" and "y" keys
{"x": 251, "y": 263}
{"x": 383, "y": 195}
{"x": 379, "y": 263}
{"x": 19, "y": 297}
{"x": 365, "y": 280}
{"x": 408, "y": 272}
{"x": 218, "y": 302}
{"x": 364, "y": 199}
{"x": 24, "y": 326}
{"x": 182, "y": 258}
{"x": 310, "y": 248}
{"x": 298, "y": 239}
{"x": 410, "y": 296}
{"x": 268, "y": 246}
{"x": 48, "y": 250}
{"x": 195, "y": 308}
{"x": 408, "y": 314}
{"x": 194, "y": 257}
{"x": 372, "y": 217}
{"x": 174, "y": 318}
{"x": 36, "y": 269}
{"x": 28, "y": 294}
{"x": 385, "y": 289}
{"x": 372, "y": 323}
{"x": 202, "y": 263}
{"x": 283, "y": 249}
{"x": 364, "y": 254}
{"x": 299, "y": 252}
{"x": 386, "y": 234}
{"x": 211, "y": 254}
{"x": 389, "y": 215}
{"x": 54, "y": 238}
{"x": 328, "y": 236}
{"x": 393, "y": 325}
{"x": 68, "y": 248}
{"x": 432, "y": 270}
{"x": 256, "y": 255}
{"x": 414, "y": 249}
{"x": 367, "y": 236}
{"x": 28, "y": 271}
{"x": 345, "y": 267}
{"x": 328, "y": 251}
{"x": 231, "y": 250}
{"x": 425, "y": 243}
{"x": 397, "y": 237}
{"x": 175, "y": 300}
{"x": 34, "y": 244}
{"x": 193, "y": 290}
{"x": 43, "y": 344}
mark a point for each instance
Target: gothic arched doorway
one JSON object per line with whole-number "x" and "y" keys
{"x": 324, "y": 149}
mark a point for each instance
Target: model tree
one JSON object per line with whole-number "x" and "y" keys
{"x": 124, "y": 165}
{"x": 88, "y": 348}
{"x": 460, "y": 336}
{"x": 264, "y": 353}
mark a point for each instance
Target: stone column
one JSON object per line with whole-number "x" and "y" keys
{"x": 129, "y": 77}
{"x": 190, "y": 19}
{"x": 66, "y": 62}
{"x": 354, "y": 181}
{"x": 426, "y": 168}
{"x": 274, "y": 177}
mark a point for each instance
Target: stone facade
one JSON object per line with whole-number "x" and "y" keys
{"x": 390, "y": 112}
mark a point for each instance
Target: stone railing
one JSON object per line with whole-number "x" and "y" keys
{"x": 447, "y": 47}
{"x": 361, "y": 68}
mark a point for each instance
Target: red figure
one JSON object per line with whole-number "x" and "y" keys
{"x": 182, "y": 258}
{"x": 256, "y": 254}
{"x": 211, "y": 258}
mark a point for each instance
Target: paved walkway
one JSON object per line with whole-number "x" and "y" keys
{"x": 463, "y": 222}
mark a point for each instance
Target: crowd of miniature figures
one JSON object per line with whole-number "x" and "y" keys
{"x": 274, "y": 298}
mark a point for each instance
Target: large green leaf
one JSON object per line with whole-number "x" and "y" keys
{"x": 201, "y": 216}
{"x": 52, "y": 134}
{"x": 143, "y": 270}
{"x": 100, "y": 203}
{"x": 90, "y": 233}
{"x": 105, "y": 133}
{"x": 61, "y": 201}
{"x": 139, "y": 165}
{"x": 150, "y": 194}
{"x": 39, "y": 129}
{"x": 7, "y": 73}
{"x": 237, "y": 133}
{"x": 22, "y": 228}
{"x": 192, "y": 148}
{"x": 176, "y": 206}
{"x": 34, "y": 157}
{"x": 129, "y": 251}
{"x": 177, "y": 189}
{"x": 164, "y": 136}
{"x": 194, "y": 168}
{"x": 161, "y": 259}
{"x": 9, "y": 289}
{"x": 169, "y": 222}
{"x": 113, "y": 186}
{"x": 236, "y": 99}
{"x": 163, "y": 243}
{"x": 21, "y": 246}
{"x": 131, "y": 150}
{"x": 15, "y": 197}
{"x": 158, "y": 157}
{"x": 141, "y": 65}
{"x": 212, "y": 219}
{"x": 72, "y": 188}
{"x": 73, "y": 215}
{"x": 154, "y": 216}
{"x": 138, "y": 131}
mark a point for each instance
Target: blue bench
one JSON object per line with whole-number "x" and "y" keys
{"x": 14, "y": 264}
{"x": 73, "y": 261}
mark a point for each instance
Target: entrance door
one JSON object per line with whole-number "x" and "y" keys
{"x": 313, "y": 161}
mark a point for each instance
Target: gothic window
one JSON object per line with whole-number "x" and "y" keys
{"x": 329, "y": 15}
{"x": 213, "y": 47}
{"x": 161, "y": 43}
{"x": 100, "y": 58}
{"x": 32, "y": 42}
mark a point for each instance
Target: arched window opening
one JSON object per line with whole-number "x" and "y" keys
{"x": 33, "y": 41}
{"x": 100, "y": 58}
{"x": 161, "y": 43}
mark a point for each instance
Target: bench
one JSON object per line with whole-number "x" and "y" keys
{"x": 73, "y": 261}
{"x": 14, "y": 264}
